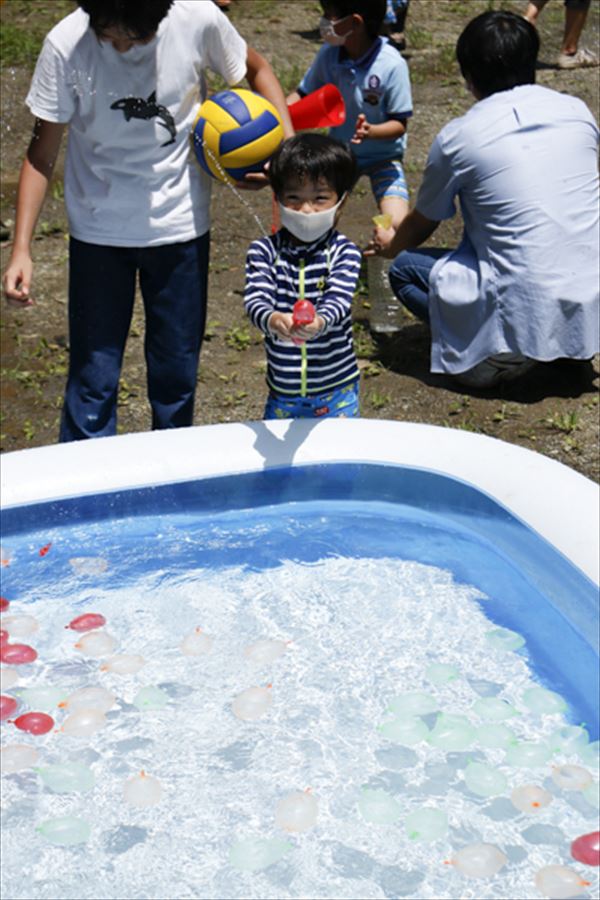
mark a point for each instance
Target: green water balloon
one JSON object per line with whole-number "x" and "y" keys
{"x": 527, "y": 755}
{"x": 590, "y": 755}
{"x": 494, "y": 709}
{"x": 67, "y": 777}
{"x": 407, "y": 731}
{"x": 65, "y": 830}
{"x": 568, "y": 739}
{"x": 541, "y": 700}
{"x": 44, "y": 698}
{"x": 413, "y": 703}
{"x": 495, "y": 736}
{"x": 253, "y": 854}
{"x": 441, "y": 673}
{"x": 484, "y": 780}
{"x": 379, "y": 807}
{"x": 452, "y": 732}
{"x": 592, "y": 794}
{"x": 426, "y": 824}
{"x": 150, "y": 698}
{"x": 504, "y": 639}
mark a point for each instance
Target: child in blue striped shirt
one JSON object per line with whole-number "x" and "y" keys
{"x": 311, "y": 368}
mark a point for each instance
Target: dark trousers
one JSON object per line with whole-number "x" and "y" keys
{"x": 173, "y": 282}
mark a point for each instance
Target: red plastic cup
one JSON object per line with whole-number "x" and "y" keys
{"x": 324, "y": 108}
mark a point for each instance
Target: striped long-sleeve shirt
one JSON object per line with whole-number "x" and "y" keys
{"x": 273, "y": 274}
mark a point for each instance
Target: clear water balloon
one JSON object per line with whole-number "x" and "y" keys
{"x": 264, "y": 651}
{"x": 142, "y": 791}
{"x": 494, "y": 709}
{"x": 571, "y": 778}
{"x": 590, "y": 755}
{"x": 96, "y": 643}
{"x": 197, "y": 643}
{"x": 426, "y": 824}
{"x": 252, "y": 703}
{"x": 44, "y": 697}
{"x": 504, "y": 639}
{"x": 586, "y": 849}
{"x": 479, "y": 860}
{"x": 150, "y": 698}
{"x": 484, "y": 780}
{"x": 123, "y": 664}
{"x": 592, "y": 794}
{"x": 8, "y": 706}
{"x": 8, "y": 678}
{"x": 530, "y": 799}
{"x": 84, "y": 723}
{"x": 541, "y": 700}
{"x": 19, "y": 626}
{"x": 17, "y": 654}
{"x": 452, "y": 732}
{"x": 14, "y": 757}
{"x": 407, "y": 731}
{"x": 297, "y": 812}
{"x": 441, "y": 673}
{"x": 559, "y": 882}
{"x": 378, "y": 806}
{"x": 35, "y": 723}
{"x": 65, "y": 830}
{"x": 413, "y": 703}
{"x": 89, "y": 698}
{"x": 495, "y": 736}
{"x": 67, "y": 777}
{"x": 527, "y": 755}
{"x": 87, "y": 622}
{"x": 254, "y": 854}
{"x": 568, "y": 739}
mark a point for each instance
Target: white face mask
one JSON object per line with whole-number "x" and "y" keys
{"x": 329, "y": 34}
{"x": 308, "y": 227}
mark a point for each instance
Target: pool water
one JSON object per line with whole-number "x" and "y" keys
{"x": 366, "y": 597}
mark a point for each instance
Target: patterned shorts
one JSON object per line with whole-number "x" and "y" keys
{"x": 387, "y": 179}
{"x": 341, "y": 402}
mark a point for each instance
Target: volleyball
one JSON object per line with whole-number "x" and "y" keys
{"x": 235, "y": 132}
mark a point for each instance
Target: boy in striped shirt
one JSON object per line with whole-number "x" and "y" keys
{"x": 311, "y": 368}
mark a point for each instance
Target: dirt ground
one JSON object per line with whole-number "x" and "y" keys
{"x": 554, "y": 410}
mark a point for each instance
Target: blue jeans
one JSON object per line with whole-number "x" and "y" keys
{"x": 102, "y": 280}
{"x": 409, "y": 278}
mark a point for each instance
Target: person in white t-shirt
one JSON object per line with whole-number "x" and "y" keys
{"x": 127, "y": 79}
{"x": 523, "y": 284}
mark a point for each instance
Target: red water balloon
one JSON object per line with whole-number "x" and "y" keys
{"x": 7, "y": 706}
{"x": 87, "y": 622}
{"x": 303, "y": 312}
{"x": 3, "y": 637}
{"x": 17, "y": 654}
{"x": 586, "y": 849}
{"x": 35, "y": 723}
{"x": 4, "y": 604}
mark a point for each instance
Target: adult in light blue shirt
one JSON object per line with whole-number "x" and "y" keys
{"x": 523, "y": 284}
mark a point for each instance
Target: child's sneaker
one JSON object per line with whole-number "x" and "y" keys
{"x": 582, "y": 59}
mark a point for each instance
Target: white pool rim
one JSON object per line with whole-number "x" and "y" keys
{"x": 555, "y": 501}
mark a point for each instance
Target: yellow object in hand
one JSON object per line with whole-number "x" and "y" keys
{"x": 384, "y": 220}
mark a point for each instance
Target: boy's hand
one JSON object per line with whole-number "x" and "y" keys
{"x": 17, "y": 279}
{"x": 361, "y": 130}
{"x": 308, "y": 331}
{"x": 282, "y": 325}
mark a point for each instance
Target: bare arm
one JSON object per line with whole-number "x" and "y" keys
{"x": 385, "y": 131}
{"x": 263, "y": 80}
{"x": 36, "y": 173}
{"x": 412, "y": 231}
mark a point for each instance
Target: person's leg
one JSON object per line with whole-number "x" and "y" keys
{"x": 390, "y": 190}
{"x": 173, "y": 281}
{"x": 101, "y": 294}
{"x": 534, "y": 8}
{"x": 409, "y": 277}
{"x": 571, "y": 55}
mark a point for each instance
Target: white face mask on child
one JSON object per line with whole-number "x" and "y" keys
{"x": 329, "y": 34}
{"x": 308, "y": 227}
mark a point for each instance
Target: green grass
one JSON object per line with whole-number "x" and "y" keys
{"x": 23, "y": 27}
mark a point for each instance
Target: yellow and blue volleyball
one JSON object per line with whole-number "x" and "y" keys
{"x": 235, "y": 132}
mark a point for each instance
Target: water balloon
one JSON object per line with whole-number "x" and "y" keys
{"x": 42, "y": 698}
{"x": 88, "y": 565}
{"x": 86, "y": 622}
{"x": 35, "y": 723}
{"x": 8, "y": 678}
{"x": 441, "y": 673}
{"x": 568, "y": 739}
{"x": 590, "y": 755}
{"x": 4, "y": 604}
{"x": 197, "y": 643}
{"x": 84, "y": 723}
{"x": 297, "y": 811}
{"x": 592, "y": 794}
{"x": 89, "y": 698}
{"x": 123, "y": 664}
{"x": 7, "y": 706}
{"x": 150, "y": 698}
{"x": 252, "y": 703}
{"x": 571, "y": 778}
{"x": 504, "y": 639}
{"x": 96, "y": 643}
{"x": 559, "y": 882}
{"x": 264, "y": 651}
{"x": 540, "y": 700}
{"x": 530, "y": 799}
{"x": 586, "y": 849}
{"x": 404, "y": 731}
{"x": 14, "y": 757}
{"x": 494, "y": 709}
{"x": 67, "y": 777}
{"x": 4, "y": 636}
{"x": 142, "y": 791}
{"x": 378, "y": 806}
{"x": 479, "y": 860}
{"x": 65, "y": 830}
{"x": 483, "y": 780}
{"x": 452, "y": 732}
{"x": 426, "y": 824}
{"x": 17, "y": 654}
{"x": 527, "y": 755}
{"x": 20, "y": 626}
{"x": 253, "y": 854}
{"x": 495, "y": 736}
{"x": 413, "y": 703}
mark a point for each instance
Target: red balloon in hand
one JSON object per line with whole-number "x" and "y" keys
{"x": 7, "y": 706}
{"x": 17, "y": 654}
{"x": 586, "y": 849}
{"x": 35, "y": 723}
{"x": 87, "y": 622}
{"x": 303, "y": 312}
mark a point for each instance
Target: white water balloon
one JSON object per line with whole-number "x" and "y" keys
{"x": 14, "y": 757}
{"x": 84, "y": 723}
{"x": 297, "y": 812}
{"x": 252, "y": 703}
{"x": 123, "y": 664}
{"x": 197, "y": 643}
{"x": 264, "y": 651}
{"x": 479, "y": 860}
{"x": 142, "y": 791}
{"x": 96, "y": 643}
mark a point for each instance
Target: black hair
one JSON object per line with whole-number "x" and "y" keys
{"x": 139, "y": 19}
{"x": 498, "y": 51}
{"x": 310, "y": 157}
{"x": 372, "y": 12}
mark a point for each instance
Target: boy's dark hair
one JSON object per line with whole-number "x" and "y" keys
{"x": 372, "y": 12}
{"x": 310, "y": 157}
{"x": 498, "y": 51}
{"x": 139, "y": 19}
